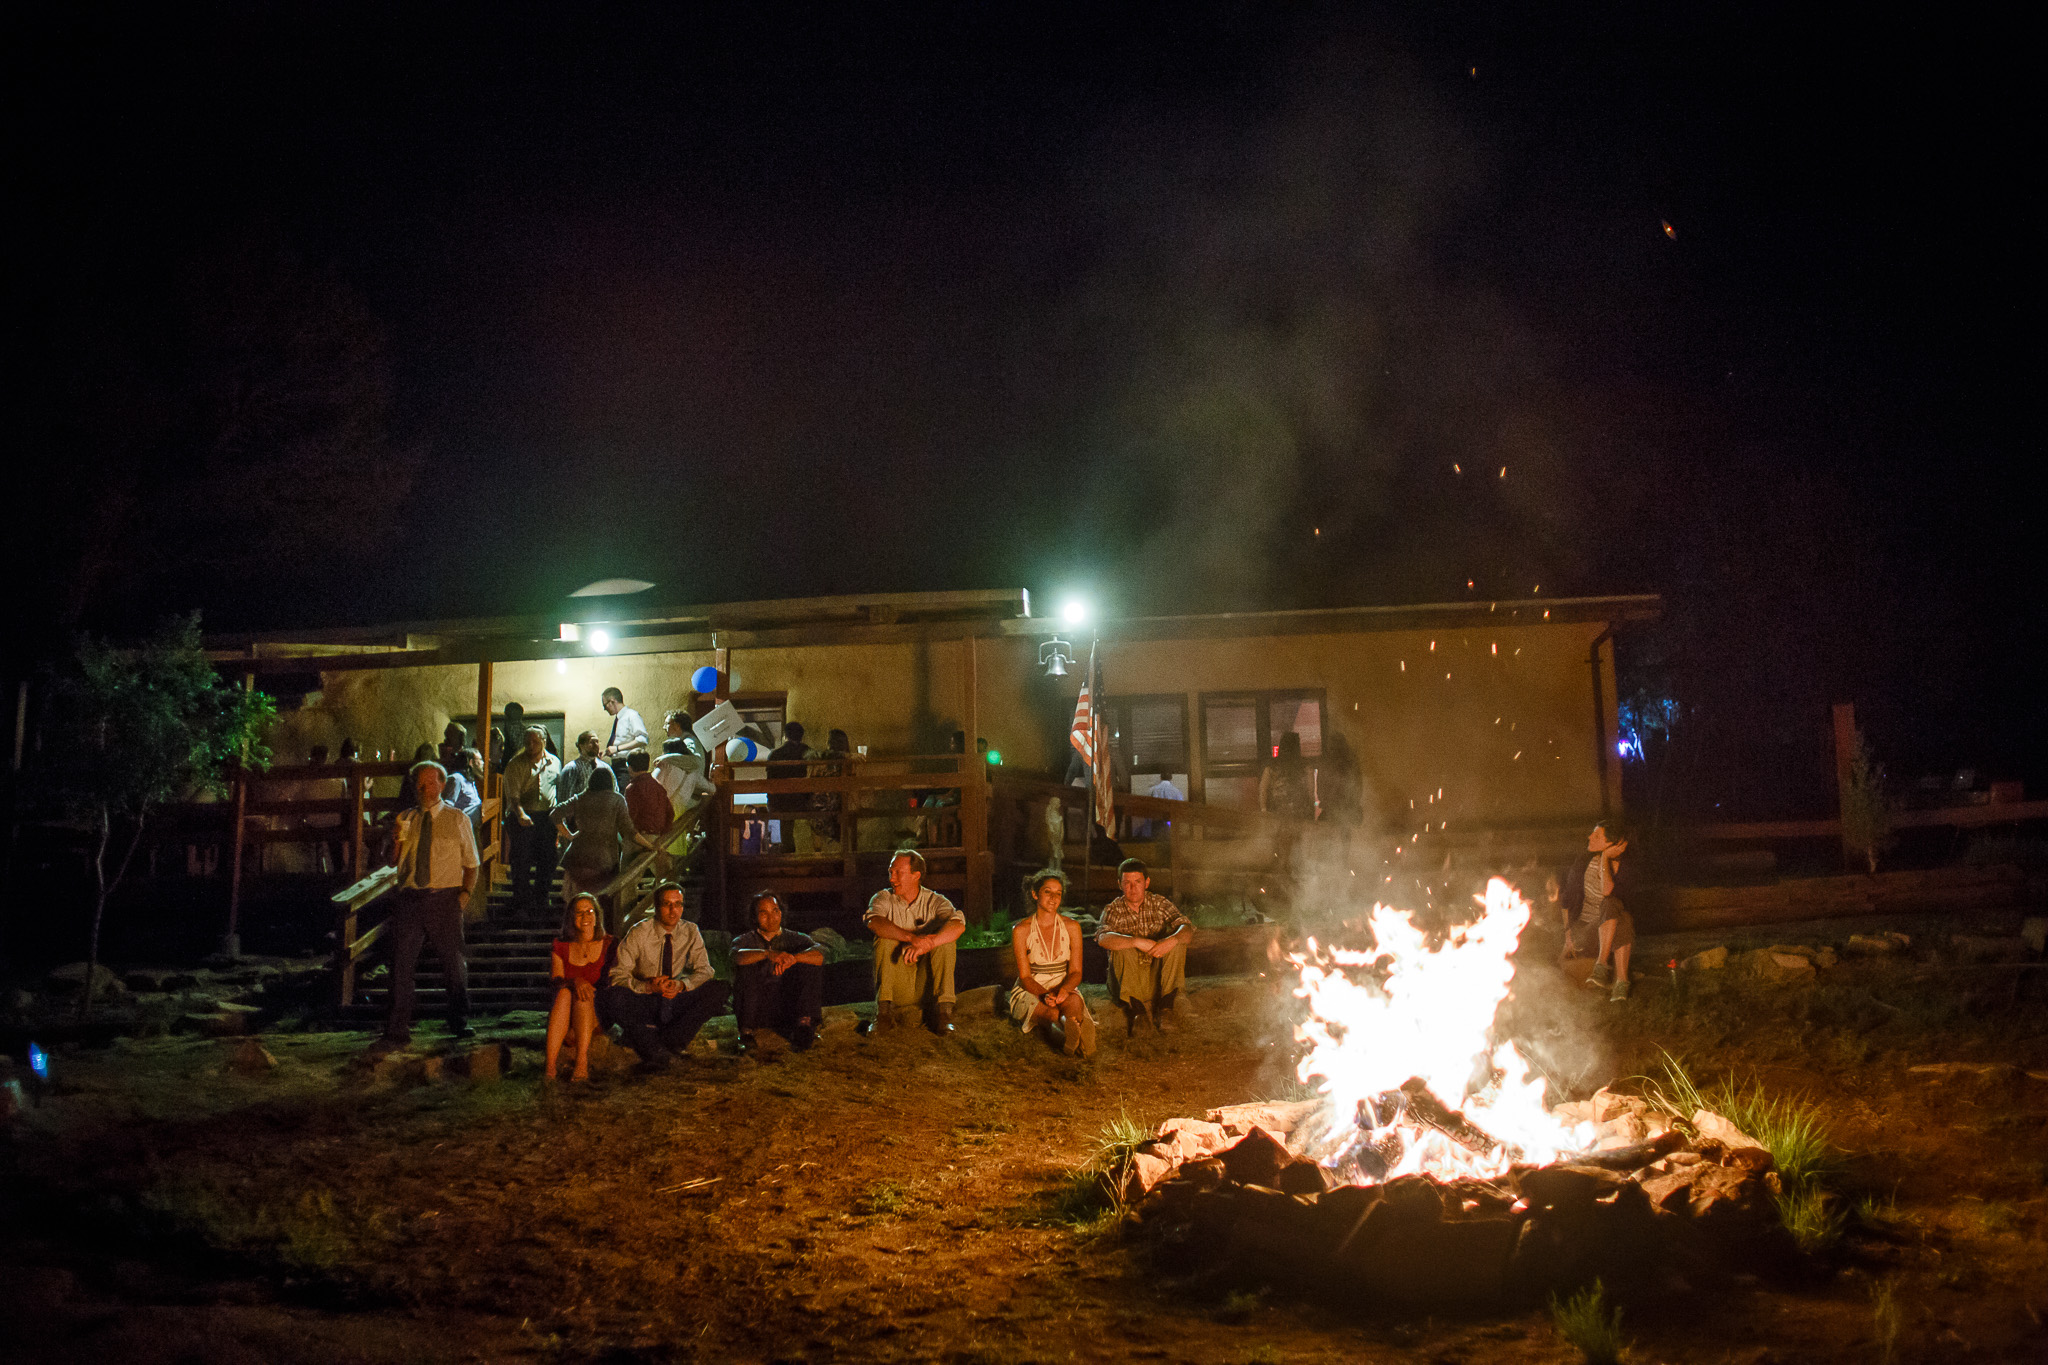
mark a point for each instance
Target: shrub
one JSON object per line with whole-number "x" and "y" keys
{"x": 1593, "y": 1328}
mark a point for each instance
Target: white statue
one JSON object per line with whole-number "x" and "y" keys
{"x": 1056, "y": 830}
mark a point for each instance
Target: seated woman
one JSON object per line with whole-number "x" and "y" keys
{"x": 603, "y": 825}
{"x": 577, "y": 969}
{"x": 1047, "y": 948}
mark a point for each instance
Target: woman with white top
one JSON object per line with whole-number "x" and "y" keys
{"x": 1047, "y": 948}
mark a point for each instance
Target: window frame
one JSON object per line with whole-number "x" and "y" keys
{"x": 1117, "y": 710}
{"x": 1261, "y": 700}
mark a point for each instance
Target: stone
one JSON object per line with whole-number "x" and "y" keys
{"x": 607, "y": 1056}
{"x": 1305, "y": 1177}
{"x": 1257, "y": 1158}
{"x": 214, "y": 1024}
{"x": 1980, "y": 948}
{"x": 20, "y": 1001}
{"x": 833, "y": 942}
{"x": 422, "y": 1070}
{"x": 71, "y": 977}
{"x": 249, "y": 1058}
{"x": 980, "y": 1002}
{"x": 485, "y": 1062}
{"x": 1713, "y": 959}
{"x": 2034, "y": 933}
{"x": 1143, "y": 1171}
{"x": 1280, "y": 1118}
{"x": 1574, "y": 1112}
{"x": 1774, "y": 965}
{"x": 1874, "y": 945}
{"x": 1740, "y": 1148}
{"x": 12, "y": 1101}
{"x": 1606, "y": 1106}
{"x": 1189, "y": 1139}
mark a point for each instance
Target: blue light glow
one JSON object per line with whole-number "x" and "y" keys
{"x": 39, "y": 1062}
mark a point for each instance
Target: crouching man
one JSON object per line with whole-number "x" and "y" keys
{"x": 661, "y": 990}
{"x": 914, "y": 933}
{"x": 778, "y": 978}
{"x": 1147, "y": 938}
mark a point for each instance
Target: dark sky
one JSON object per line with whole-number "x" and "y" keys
{"x": 1188, "y": 306}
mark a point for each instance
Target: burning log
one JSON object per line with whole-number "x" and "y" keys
{"x": 1425, "y": 1109}
{"x": 1636, "y": 1156}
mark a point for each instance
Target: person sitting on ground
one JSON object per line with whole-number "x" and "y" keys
{"x": 1594, "y": 895}
{"x": 575, "y": 778}
{"x": 778, "y": 978}
{"x": 603, "y": 828}
{"x": 1147, "y": 938}
{"x": 437, "y": 872}
{"x": 465, "y": 786}
{"x": 915, "y": 930}
{"x": 1046, "y": 946}
{"x": 576, "y": 969}
{"x": 661, "y": 989}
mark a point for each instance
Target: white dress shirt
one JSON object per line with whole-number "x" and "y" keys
{"x": 629, "y": 732}
{"x": 454, "y": 850}
{"x": 638, "y": 961}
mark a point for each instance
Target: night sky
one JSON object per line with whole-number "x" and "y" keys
{"x": 1188, "y": 307}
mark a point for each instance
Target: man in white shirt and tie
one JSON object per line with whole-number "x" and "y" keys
{"x": 437, "y": 872}
{"x": 628, "y": 736}
{"x": 661, "y": 989}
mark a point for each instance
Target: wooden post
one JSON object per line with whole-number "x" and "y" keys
{"x": 974, "y": 805}
{"x": 1176, "y": 845}
{"x": 721, "y": 659}
{"x": 1601, "y": 758}
{"x": 1845, "y": 769}
{"x": 358, "y": 853}
{"x": 241, "y": 803}
{"x": 850, "y": 899}
{"x": 489, "y": 786}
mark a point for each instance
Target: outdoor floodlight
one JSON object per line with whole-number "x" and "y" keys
{"x": 1073, "y": 613}
{"x": 600, "y": 640}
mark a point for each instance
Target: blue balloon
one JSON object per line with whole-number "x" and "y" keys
{"x": 704, "y": 680}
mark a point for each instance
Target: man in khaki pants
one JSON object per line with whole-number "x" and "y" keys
{"x": 1147, "y": 938}
{"x": 914, "y": 933}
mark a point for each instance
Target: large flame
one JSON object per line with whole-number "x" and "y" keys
{"x": 1408, "y": 1010}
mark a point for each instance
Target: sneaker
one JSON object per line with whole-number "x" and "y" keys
{"x": 805, "y": 1035}
{"x": 1619, "y": 993}
{"x": 459, "y": 1029}
{"x": 747, "y": 1043}
{"x": 1602, "y": 975}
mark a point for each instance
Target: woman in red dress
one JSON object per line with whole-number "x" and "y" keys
{"x": 577, "y": 968}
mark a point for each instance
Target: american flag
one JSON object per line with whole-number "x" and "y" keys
{"x": 1087, "y": 736}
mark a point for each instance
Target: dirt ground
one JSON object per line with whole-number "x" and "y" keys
{"x": 900, "y": 1198}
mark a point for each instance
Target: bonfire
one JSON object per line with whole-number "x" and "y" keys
{"x": 1432, "y": 1163}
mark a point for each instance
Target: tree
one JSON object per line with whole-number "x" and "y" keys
{"x": 145, "y": 726}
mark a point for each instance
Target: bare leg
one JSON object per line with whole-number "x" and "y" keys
{"x": 1621, "y": 957}
{"x": 1607, "y": 939}
{"x": 558, "y": 1029}
{"x": 584, "y": 1017}
{"x": 1080, "y": 1029}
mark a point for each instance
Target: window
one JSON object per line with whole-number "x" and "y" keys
{"x": 1241, "y": 733}
{"x": 1150, "y": 735}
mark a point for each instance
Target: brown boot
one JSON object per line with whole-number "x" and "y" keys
{"x": 943, "y": 1025}
{"x": 1163, "y": 1018}
{"x": 1133, "y": 1012}
{"x": 885, "y": 1019}
{"x": 1083, "y": 1028}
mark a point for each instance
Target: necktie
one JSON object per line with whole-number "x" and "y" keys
{"x": 615, "y": 731}
{"x": 423, "y": 851}
{"x": 668, "y": 956}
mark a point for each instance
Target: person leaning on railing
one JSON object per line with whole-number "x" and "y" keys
{"x": 1147, "y": 938}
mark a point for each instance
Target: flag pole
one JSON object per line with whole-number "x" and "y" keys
{"x": 1094, "y": 757}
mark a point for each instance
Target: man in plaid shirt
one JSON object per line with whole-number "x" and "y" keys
{"x": 1147, "y": 939}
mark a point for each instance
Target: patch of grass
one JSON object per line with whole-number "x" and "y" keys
{"x": 308, "y": 1235}
{"x": 884, "y": 1198}
{"x": 1813, "y": 1217}
{"x": 1882, "y": 1216}
{"x": 1992, "y": 1216}
{"x": 994, "y": 934}
{"x": 1789, "y": 1126}
{"x": 1240, "y": 1304}
{"x": 1084, "y": 1203}
{"x": 1884, "y": 1321}
{"x": 1117, "y": 1140}
{"x": 1591, "y": 1327}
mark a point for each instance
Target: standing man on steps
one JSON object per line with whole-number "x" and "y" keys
{"x": 526, "y": 805}
{"x": 915, "y": 930}
{"x": 437, "y": 870}
{"x": 628, "y": 736}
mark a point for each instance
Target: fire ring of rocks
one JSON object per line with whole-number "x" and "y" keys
{"x": 1641, "y": 1201}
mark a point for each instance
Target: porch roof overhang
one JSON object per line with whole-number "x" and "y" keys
{"x": 878, "y": 618}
